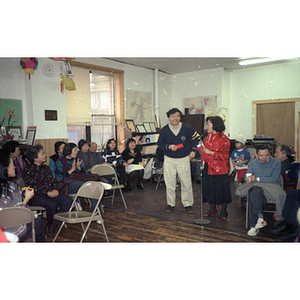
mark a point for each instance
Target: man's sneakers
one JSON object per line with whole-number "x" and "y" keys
{"x": 255, "y": 230}
{"x": 260, "y": 223}
{"x": 170, "y": 208}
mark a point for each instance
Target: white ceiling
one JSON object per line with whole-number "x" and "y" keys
{"x": 174, "y": 65}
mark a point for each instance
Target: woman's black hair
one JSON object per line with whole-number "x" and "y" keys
{"x": 82, "y": 142}
{"x": 108, "y": 142}
{"x": 33, "y": 152}
{"x": 57, "y": 145}
{"x": 10, "y": 146}
{"x": 217, "y": 123}
{"x": 173, "y": 111}
{"x": 68, "y": 148}
{"x": 129, "y": 141}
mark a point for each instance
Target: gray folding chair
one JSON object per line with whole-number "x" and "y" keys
{"x": 16, "y": 216}
{"x": 92, "y": 190}
{"x": 105, "y": 169}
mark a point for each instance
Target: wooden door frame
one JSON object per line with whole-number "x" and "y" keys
{"x": 295, "y": 100}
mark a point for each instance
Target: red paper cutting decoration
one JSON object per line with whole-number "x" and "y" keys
{"x": 29, "y": 64}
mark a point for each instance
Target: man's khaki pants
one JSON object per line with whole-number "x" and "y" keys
{"x": 180, "y": 166}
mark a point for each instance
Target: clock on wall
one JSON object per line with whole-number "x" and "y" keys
{"x": 48, "y": 70}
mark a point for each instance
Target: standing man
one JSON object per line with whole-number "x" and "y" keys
{"x": 175, "y": 139}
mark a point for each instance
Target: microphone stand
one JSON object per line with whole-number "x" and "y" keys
{"x": 201, "y": 221}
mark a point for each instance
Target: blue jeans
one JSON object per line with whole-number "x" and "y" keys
{"x": 58, "y": 204}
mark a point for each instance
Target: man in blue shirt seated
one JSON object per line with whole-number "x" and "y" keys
{"x": 263, "y": 169}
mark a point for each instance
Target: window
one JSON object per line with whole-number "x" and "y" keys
{"x": 101, "y": 125}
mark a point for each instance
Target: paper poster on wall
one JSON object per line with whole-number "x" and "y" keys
{"x": 11, "y": 112}
{"x": 200, "y": 105}
{"x": 139, "y": 106}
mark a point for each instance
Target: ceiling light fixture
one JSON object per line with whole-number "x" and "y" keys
{"x": 262, "y": 60}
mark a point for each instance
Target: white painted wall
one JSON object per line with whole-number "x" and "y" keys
{"x": 277, "y": 81}
{"x": 235, "y": 91}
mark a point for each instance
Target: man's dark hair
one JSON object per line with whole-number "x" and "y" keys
{"x": 57, "y": 145}
{"x": 173, "y": 111}
{"x": 68, "y": 148}
{"x": 285, "y": 149}
{"x": 218, "y": 124}
{"x": 263, "y": 147}
{"x": 33, "y": 152}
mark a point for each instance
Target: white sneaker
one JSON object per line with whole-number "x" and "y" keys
{"x": 253, "y": 231}
{"x": 260, "y": 223}
{"x": 79, "y": 206}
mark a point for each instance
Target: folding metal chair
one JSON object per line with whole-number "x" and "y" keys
{"x": 90, "y": 189}
{"x": 105, "y": 169}
{"x": 16, "y": 216}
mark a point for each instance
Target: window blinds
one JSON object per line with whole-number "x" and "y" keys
{"x": 78, "y": 102}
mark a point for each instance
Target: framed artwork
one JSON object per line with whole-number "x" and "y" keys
{"x": 50, "y": 115}
{"x": 16, "y": 131}
{"x": 152, "y": 127}
{"x": 147, "y": 126}
{"x": 130, "y": 124}
{"x": 30, "y": 135}
{"x": 141, "y": 128}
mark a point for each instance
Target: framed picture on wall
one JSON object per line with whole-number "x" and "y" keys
{"x": 141, "y": 128}
{"x": 147, "y": 126}
{"x": 152, "y": 127}
{"x": 30, "y": 135}
{"x": 16, "y": 131}
{"x": 130, "y": 124}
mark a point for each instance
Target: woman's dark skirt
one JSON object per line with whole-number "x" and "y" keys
{"x": 215, "y": 188}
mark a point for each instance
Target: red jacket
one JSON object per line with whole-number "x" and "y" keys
{"x": 218, "y": 164}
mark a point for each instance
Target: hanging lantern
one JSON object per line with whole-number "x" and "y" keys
{"x": 29, "y": 64}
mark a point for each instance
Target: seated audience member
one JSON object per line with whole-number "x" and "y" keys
{"x": 58, "y": 148}
{"x": 93, "y": 150}
{"x": 284, "y": 154}
{"x": 39, "y": 177}
{"x": 85, "y": 155}
{"x": 133, "y": 157}
{"x": 289, "y": 228}
{"x": 240, "y": 158}
{"x": 262, "y": 185}
{"x": 13, "y": 149}
{"x": 68, "y": 166}
{"x": 11, "y": 196}
{"x": 113, "y": 157}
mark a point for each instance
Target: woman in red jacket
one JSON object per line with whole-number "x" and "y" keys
{"x": 215, "y": 153}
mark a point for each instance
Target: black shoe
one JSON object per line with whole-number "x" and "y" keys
{"x": 199, "y": 181}
{"x": 189, "y": 209}
{"x": 281, "y": 227}
{"x": 128, "y": 187}
{"x": 50, "y": 229}
{"x": 290, "y": 236}
{"x": 170, "y": 208}
{"x": 140, "y": 186}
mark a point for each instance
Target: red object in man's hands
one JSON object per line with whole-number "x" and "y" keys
{"x": 179, "y": 146}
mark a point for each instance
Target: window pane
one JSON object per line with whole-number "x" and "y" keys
{"x": 76, "y": 133}
{"x": 102, "y": 130}
{"x": 102, "y": 99}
